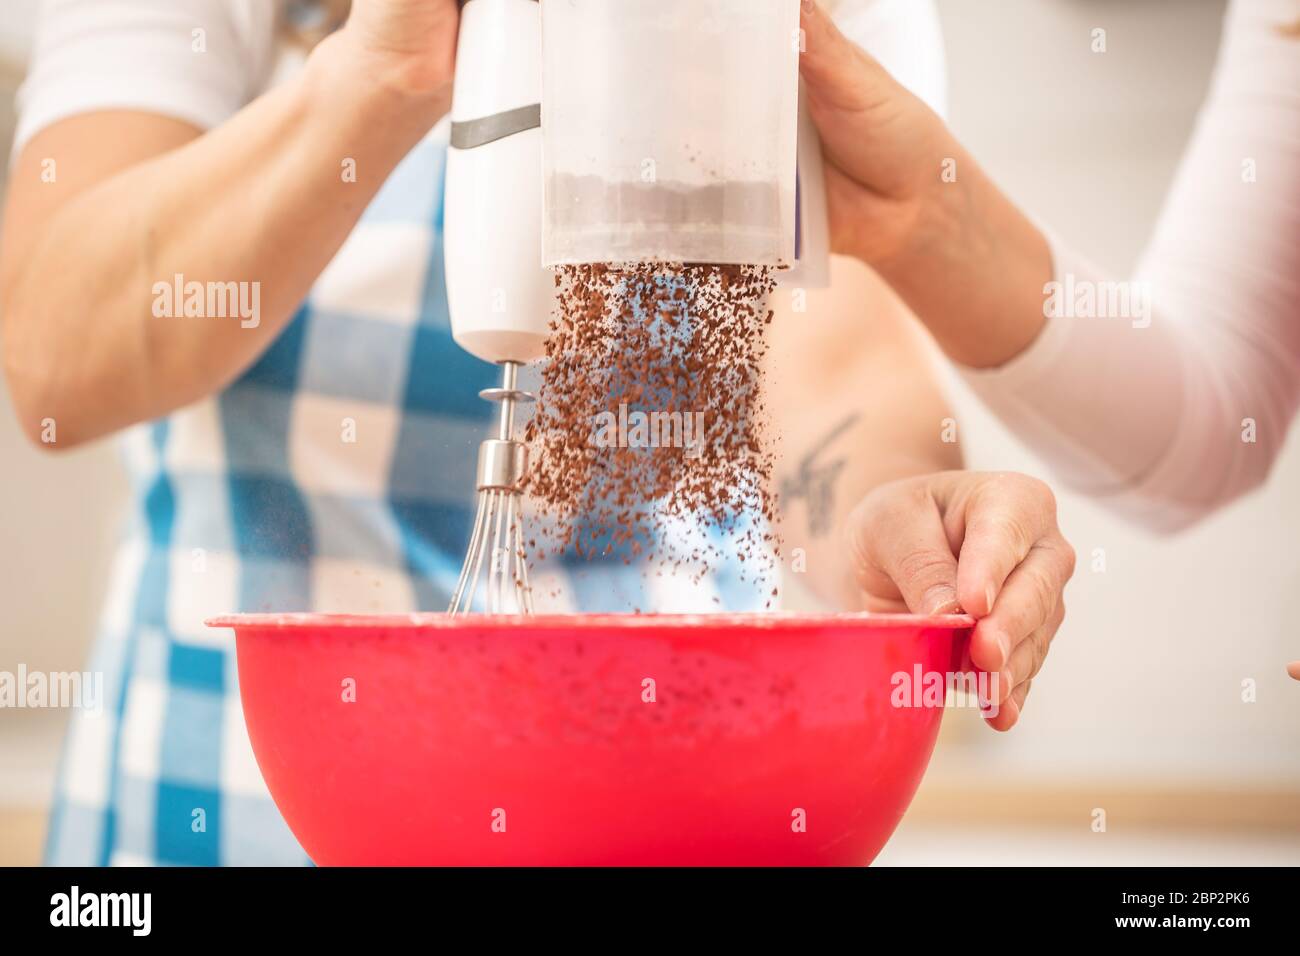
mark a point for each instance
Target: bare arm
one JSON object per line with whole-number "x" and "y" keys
{"x": 856, "y": 405}
{"x": 140, "y": 198}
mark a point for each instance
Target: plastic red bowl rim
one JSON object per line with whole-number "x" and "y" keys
{"x": 761, "y": 620}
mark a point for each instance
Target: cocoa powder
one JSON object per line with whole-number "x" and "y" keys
{"x": 651, "y": 411}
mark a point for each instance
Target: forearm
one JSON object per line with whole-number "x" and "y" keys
{"x": 974, "y": 267}
{"x": 261, "y": 200}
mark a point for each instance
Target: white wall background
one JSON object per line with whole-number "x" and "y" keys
{"x": 1144, "y": 681}
{"x": 16, "y": 29}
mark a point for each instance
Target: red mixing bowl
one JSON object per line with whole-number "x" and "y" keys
{"x": 681, "y": 740}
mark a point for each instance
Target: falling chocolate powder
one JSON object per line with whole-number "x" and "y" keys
{"x": 651, "y": 411}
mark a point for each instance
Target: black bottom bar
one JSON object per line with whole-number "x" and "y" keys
{"x": 932, "y": 906}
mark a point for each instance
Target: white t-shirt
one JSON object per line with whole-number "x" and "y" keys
{"x": 202, "y": 60}
{"x": 195, "y": 60}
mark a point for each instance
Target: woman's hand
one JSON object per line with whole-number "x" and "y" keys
{"x": 986, "y": 544}
{"x": 408, "y": 44}
{"x": 906, "y": 199}
{"x": 883, "y": 145}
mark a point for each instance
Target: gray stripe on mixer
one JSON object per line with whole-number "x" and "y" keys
{"x": 488, "y": 129}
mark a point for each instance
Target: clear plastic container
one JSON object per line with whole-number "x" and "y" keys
{"x": 670, "y": 131}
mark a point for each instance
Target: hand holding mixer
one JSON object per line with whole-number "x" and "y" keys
{"x": 590, "y": 131}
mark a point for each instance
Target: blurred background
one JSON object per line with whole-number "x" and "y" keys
{"x": 1140, "y": 711}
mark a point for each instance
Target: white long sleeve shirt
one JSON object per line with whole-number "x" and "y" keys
{"x": 1178, "y": 400}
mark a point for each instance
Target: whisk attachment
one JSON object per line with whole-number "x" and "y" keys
{"x": 498, "y": 535}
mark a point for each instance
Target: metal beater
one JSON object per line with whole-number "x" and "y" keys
{"x": 498, "y": 531}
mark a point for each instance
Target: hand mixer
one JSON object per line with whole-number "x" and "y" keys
{"x": 499, "y": 294}
{"x": 646, "y": 102}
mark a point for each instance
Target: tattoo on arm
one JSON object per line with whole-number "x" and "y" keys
{"x": 815, "y": 479}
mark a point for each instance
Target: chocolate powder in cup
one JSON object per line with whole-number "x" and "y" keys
{"x": 651, "y": 411}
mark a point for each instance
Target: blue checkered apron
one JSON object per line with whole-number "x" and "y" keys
{"x": 336, "y": 475}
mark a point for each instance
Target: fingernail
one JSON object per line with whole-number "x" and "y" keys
{"x": 1012, "y": 712}
{"x": 1004, "y": 685}
{"x": 999, "y": 641}
{"x": 1004, "y": 647}
{"x": 940, "y": 600}
{"x": 990, "y": 595}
